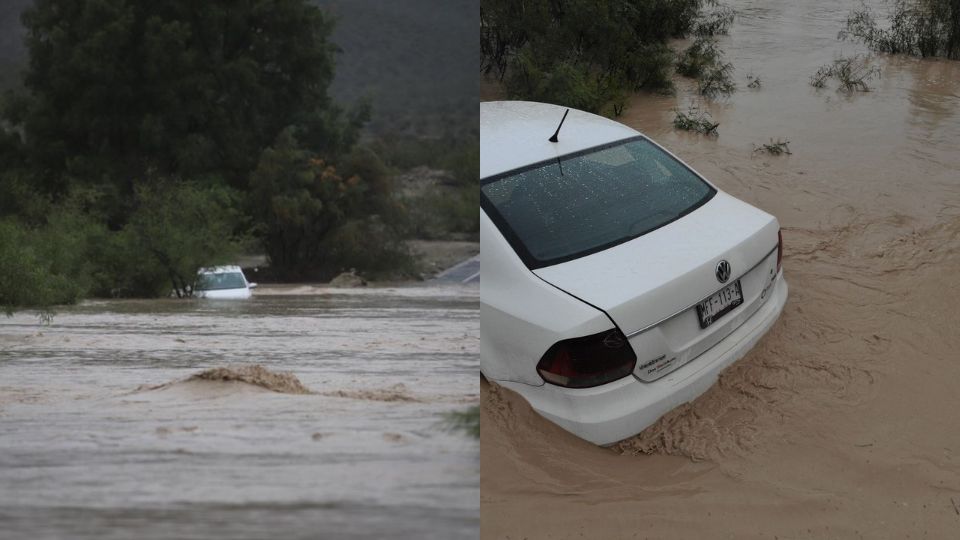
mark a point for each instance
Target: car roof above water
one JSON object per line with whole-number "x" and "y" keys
{"x": 219, "y": 269}
{"x": 514, "y": 134}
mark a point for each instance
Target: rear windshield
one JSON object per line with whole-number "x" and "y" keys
{"x": 586, "y": 202}
{"x": 215, "y": 282}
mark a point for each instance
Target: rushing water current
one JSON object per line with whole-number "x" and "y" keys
{"x": 103, "y": 433}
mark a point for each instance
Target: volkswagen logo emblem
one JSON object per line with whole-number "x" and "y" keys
{"x": 723, "y": 271}
{"x": 613, "y": 340}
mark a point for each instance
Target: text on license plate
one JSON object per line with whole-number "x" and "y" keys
{"x": 719, "y": 304}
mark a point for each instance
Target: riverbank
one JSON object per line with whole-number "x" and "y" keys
{"x": 432, "y": 257}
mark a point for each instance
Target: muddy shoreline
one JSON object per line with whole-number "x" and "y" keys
{"x": 838, "y": 424}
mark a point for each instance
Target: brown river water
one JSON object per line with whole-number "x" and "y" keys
{"x": 843, "y": 421}
{"x": 300, "y": 413}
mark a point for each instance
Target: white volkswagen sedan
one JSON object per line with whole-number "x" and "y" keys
{"x": 617, "y": 282}
{"x": 223, "y": 283}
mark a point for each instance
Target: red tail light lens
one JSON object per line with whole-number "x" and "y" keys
{"x": 779, "y": 249}
{"x": 588, "y": 361}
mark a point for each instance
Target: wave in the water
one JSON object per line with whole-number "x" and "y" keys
{"x": 256, "y": 375}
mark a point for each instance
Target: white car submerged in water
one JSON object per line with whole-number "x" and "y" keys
{"x": 222, "y": 282}
{"x": 617, "y": 282}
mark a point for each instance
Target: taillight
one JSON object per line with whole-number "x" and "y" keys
{"x": 779, "y": 249}
{"x": 588, "y": 361}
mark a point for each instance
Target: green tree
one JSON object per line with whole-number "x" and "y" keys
{"x": 178, "y": 227}
{"x": 316, "y": 221}
{"x": 582, "y": 53}
{"x": 122, "y": 90}
{"x": 915, "y": 27}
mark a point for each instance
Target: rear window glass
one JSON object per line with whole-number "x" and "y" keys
{"x": 589, "y": 201}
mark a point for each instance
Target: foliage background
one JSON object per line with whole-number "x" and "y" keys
{"x": 154, "y": 138}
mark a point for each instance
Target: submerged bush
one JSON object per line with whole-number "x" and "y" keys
{"x": 695, "y": 119}
{"x": 915, "y": 27}
{"x": 852, "y": 74}
{"x": 467, "y": 421}
{"x": 699, "y": 56}
{"x": 775, "y": 148}
{"x": 716, "y": 81}
{"x": 703, "y": 60}
{"x": 715, "y": 21}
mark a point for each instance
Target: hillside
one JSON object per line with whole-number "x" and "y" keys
{"x": 12, "y": 52}
{"x": 416, "y": 60}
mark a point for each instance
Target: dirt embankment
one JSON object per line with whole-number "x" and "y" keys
{"x": 840, "y": 423}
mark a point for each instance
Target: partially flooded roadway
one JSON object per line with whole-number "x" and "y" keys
{"x": 104, "y": 435}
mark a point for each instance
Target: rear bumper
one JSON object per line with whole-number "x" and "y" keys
{"x": 606, "y": 414}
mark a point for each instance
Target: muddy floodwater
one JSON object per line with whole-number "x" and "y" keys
{"x": 106, "y": 431}
{"x": 842, "y": 422}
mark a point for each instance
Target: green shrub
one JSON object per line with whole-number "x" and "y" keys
{"x": 852, "y": 74}
{"x": 457, "y": 211}
{"x": 716, "y": 81}
{"x": 176, "y": 228}
{"x": 467, "y": 421}
{"x": 714, "y": 21}
{"x": 583, "y": 53}
{"x": 696, "y": 58}
{"x": 695, "y": 119}
{"x": 915, "y": 27}
{"x": 373, "y": 249}
{"x": 568, "y": 82}
{"x": 39, "y": 268}
{"x": 703, "y": 60}
{"x": 308, "y": 213}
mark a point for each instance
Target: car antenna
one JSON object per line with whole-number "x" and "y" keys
{"x": 555, "y": 133}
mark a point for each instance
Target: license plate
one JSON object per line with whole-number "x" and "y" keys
{"x": 721, "y": 303}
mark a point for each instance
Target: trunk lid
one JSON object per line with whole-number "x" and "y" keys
{"x": 650, "y": 286}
